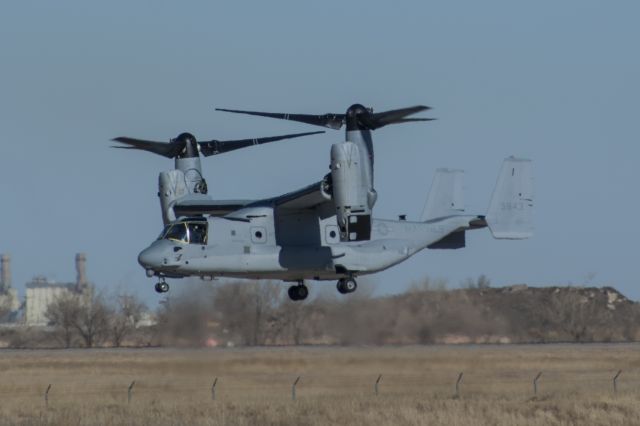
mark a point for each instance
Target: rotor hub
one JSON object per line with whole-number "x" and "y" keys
{"x": 189, "y": 145}
{"x": 356, "y": 117}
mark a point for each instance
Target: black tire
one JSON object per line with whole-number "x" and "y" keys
{"x": 350, "y": 285}
{"x": 158, "y": 289}
{"x": 341, "y": 287}
{"x": 293, "y": 292}
{"x": 302, "y": 291}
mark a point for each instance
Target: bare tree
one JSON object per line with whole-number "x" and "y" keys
{"x": 127, "y": 314}
{"x": 184, "y": 317}
{"x": 266, "y": 297}
{"x": 248, "y": 310}
{"x": 62, "y": 314}
{"x": 481, "y": 282}
{"x": 428, "y": 284}
{"x": 579, "y": 314}
{"x": 92, "y": 319}
{"x": 290, "y": 325}
{"x": 5, "y": 308}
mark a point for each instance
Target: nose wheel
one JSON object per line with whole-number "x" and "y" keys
{"x": 347, "y": 285}
{"x": 162, "y": 287}
{"x": 298, "y": 292}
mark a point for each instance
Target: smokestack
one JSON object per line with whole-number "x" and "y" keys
{"x": 81, "y": 261}
{"x": 5, "y": 283}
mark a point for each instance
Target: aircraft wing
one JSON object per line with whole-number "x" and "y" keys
{"x": 190, "y": 207}
{"x": 308, "y": 197}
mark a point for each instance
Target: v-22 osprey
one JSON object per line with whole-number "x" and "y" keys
{"x": 324, "y": 231}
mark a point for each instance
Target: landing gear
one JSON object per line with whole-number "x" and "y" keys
{"x": 347, "y": 285}
{"x": 298, "y": 292}
{"x": 162, "y": 286}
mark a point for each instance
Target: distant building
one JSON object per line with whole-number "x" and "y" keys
{"x": 9, "y": 303}
{"x": 41, "y": 293}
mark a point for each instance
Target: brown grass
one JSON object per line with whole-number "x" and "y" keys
{"x": 89, "y": 387}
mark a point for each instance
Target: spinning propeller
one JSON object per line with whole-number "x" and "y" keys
{"x": 186, "y": 146}
{"x": 357, "y": 117}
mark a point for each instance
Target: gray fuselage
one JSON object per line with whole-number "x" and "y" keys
{"x": 256, "y": 243}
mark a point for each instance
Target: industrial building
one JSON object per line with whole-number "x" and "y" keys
{"x": 9, "y": 303}
{"x": 40, "y": 292}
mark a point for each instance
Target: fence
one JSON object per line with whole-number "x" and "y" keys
{"x": 512, "y": 384}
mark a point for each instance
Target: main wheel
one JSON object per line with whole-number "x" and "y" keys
{"x": 164, "y": 287}
{"x": 158, "y": 289}
{"x": 346, "y": 285}
{"x": 302, "y": 291}
{"x": 298, "y": 292}
{"x": 293, "y": 292}
{"x": 350, "y": 285}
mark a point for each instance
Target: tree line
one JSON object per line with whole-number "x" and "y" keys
{"x": 260, "y": 313}
{"x": 93, "y": 319}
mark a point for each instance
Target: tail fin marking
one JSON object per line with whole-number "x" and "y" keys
{"x": 510, "y": 210}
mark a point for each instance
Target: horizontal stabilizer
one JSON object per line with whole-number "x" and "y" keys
{"x": 455, "y": 240}
{"x": 446, "y": 197}
{"x": 511, "y": 207}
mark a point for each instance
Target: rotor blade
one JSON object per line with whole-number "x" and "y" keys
{"x": 220, "y": 147}
{"x": 161, "y": 148}
{"x": 411, "y": 120}
{"x": 332, "y": 121}
{"x": 394, "y": 116}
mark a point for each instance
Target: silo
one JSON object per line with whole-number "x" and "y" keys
{"x": 81, "y": 269}
{"x": 5, "y": 274}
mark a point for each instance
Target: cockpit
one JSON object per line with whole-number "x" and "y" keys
{"x": 189, "y": 231}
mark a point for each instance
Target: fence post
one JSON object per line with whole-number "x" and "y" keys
{"x": 535, "y": 383}
{"x": 46, "y": 396}
{"x": 615, "y": 381}
{"x": 378, "y": 381}
{"x": 213, "y": 389}
{"x": 130, "y": 391}
{"x": 293, "y": 389}
{"x": 458, "y": 385}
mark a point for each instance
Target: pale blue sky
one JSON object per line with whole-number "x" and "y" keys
{"x": 558, "y": 82}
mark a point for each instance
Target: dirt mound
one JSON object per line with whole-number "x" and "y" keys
{"x": 526, "y": 314}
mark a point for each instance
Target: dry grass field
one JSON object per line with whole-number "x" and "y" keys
{"x": 89, "y": 387}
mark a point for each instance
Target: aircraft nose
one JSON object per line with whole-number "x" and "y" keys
{"x": 151, "y": 257}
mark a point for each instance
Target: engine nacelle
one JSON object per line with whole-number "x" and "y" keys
{"x": 192, "y": 172}
{"x": 350, "y": 192}
{"x": 172, "y": 186}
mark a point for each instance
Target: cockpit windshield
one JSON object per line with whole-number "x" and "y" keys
{"x": 190, "y": 232}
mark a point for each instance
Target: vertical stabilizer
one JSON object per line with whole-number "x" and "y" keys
{"x": 446, "y": 197}
{"x": 511, "y": 207}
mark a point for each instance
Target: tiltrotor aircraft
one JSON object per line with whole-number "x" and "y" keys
{"x": 324, "y": 231}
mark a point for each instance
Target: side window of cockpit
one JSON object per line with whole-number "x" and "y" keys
{"x": 164, "y": 232}
{"x": 177, "y": 232}
{"x": 198, "y": 233}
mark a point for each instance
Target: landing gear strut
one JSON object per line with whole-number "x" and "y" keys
{"x": 162, "y": 286}
{"x": 347, "y": 285}
{"x": 298, "y": 292}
